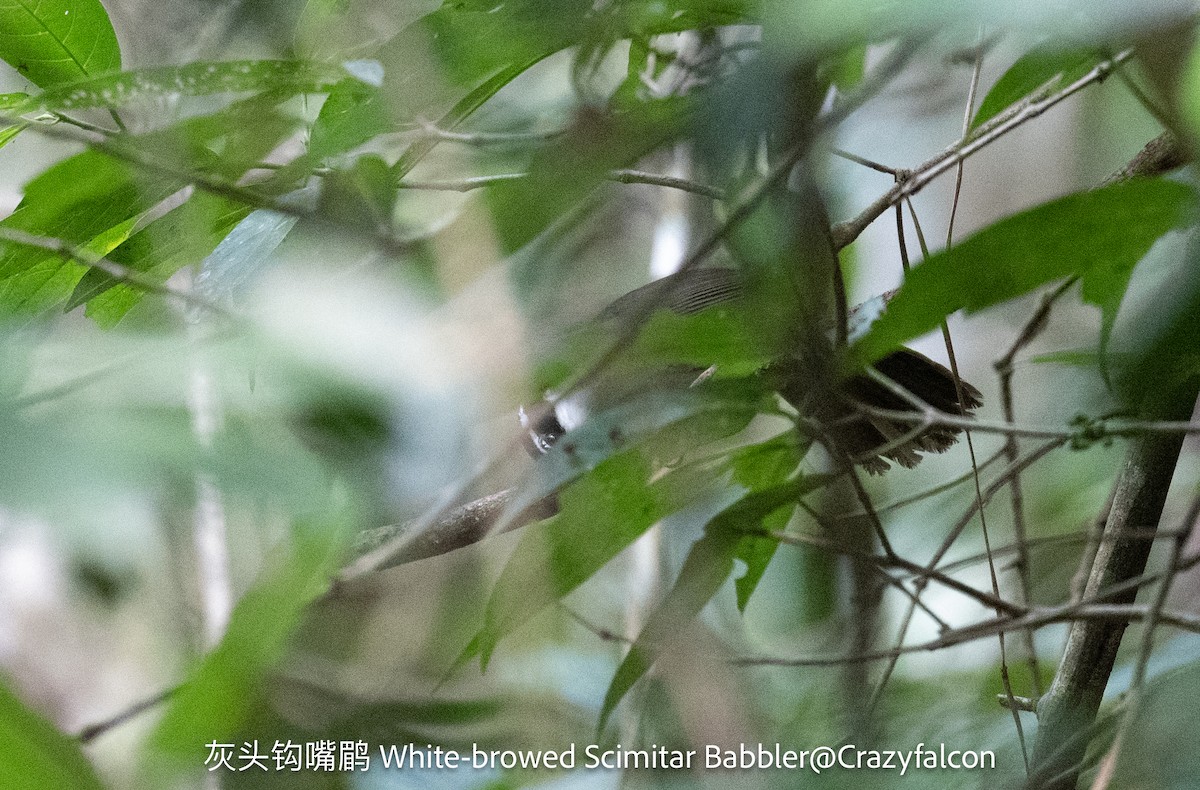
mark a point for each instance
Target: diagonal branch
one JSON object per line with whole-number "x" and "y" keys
{"x": 846, "y": 232}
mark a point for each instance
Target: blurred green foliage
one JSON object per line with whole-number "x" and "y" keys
{"x": 311, "y": 278}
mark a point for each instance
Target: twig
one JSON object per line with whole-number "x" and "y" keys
{"x": 927, "y": 493}
{"x": 123, "y": 151}
{"x": 624, "y": 176}
{"x": 842, "y": 549}
{"x": 861, "y": 160}
{"x": 93, "y": 731}
{"x": 118, "y": 271}
{"x": 1004, "y": 369}
{"x": 1031, "y": 653}
{"x": 431, "y": 130}
{"x": 1038, "y": 617}
{"x": 846, "y": 232}
{"x": 899, "y": 563}
{"x": 599, "y": 632}
{"x": 924, "y": 414}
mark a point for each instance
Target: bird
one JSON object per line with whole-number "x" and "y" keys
{"x": 869, "y": 440}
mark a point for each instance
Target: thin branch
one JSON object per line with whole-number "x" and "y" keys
{"x": 90, "y": 127}
{"x": 927, "y": 493}
{"x": 1087, "y": 558}
{"x": 1014, "y": 481}
{"x": 123, "y": 151}
{"x": 987, "y": 629}
{"x": 1093, "y": 430}
{"x": 624, "y": 176}
{"x": 846, "y": 232}
{"x": 1004, "y": 368}
{"x": 1057, "y": 540}
{"x": 118, "y": 271}
{"x": 600, "y": 632}
{"x": 93, "y": 731}
{"x": 843, "y": 549}
{"x": 431, "y": 130}
{"x": 899, "y": 563}
{"x": 870, "y": 163}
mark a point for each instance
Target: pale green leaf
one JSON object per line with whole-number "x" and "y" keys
{"x": 1189, "y": 91}
{"x": 352, "y": 114}
{"x": 9, "y": 133}
{"x": 194, "y": 79}
{"x": 221, "y": 692}
{"x": 598, "y": 517}
{"x": 706, "y": 568}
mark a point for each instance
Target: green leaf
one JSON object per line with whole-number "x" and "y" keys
{"x": 706, "y": 568}
{"x": 461, "y": 110}
{"x": 361, "y": 196}
{"x": 1099, "y": 235}
{"x": 181, "y": 238}
{"x": 244, "y": 254}
{"x": 54, "y": 41}
{"x": 759, "y": 468}
{"x": 195, "y": 79}
{"x": 1038, "y": 72}
{"x": 1150, "y": 757}
{"x": 1189, "y": 92}
{"x": 786, "y": 263}
{"x": 715, "y": 337}
{"x": 571, "y": 166}
{"x": 34, "y": 755}
{"x": 718, "y": 408}
{"x": 482, "y": 46}
{"x": 352, "y": 114}
{"x": 598, "y": 517}
{"x": 478, "y": 48}
{"x": 76, "y": 200}
{"x": 85, "y": 199}
{"x": 1165, "y": 375}
{"x": 1083, "y": 358}
{"x": 846, "y": 71}
{"x": 9, "y": 133}
{"x": 339, "y": 30}
{"x": 220, "y": 694}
